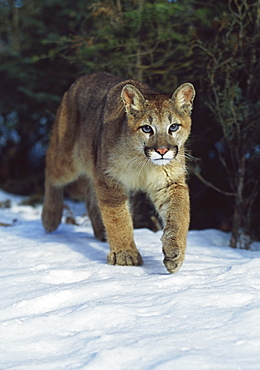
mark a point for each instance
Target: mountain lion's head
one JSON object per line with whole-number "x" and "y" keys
{"x": 160, "y": 125}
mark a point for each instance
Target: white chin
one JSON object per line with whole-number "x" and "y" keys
{"x": 161, "y": 162}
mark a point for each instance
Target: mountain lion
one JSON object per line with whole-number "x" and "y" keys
{"x": 118, "y": 137}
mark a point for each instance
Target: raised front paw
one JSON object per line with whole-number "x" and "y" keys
{"x": 173, "y": 259}
{"x": 125, "y": 258}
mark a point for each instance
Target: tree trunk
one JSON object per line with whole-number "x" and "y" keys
{"x": 240, "y": 226}
{"x": 15, "y": 28}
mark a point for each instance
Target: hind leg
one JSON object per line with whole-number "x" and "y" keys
{"x": 94, "y": 212}
{"x": 52, "y": 207}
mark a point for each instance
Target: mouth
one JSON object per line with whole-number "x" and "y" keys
{"x": 161, "y": 161}
{"x": 161, "y": 156}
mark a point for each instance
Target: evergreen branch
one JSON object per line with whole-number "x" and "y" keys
{"x": 196, "y": 172}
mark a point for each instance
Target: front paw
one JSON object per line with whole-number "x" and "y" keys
{"x": 125, "y": 258}
{"x": 173, "y": 259}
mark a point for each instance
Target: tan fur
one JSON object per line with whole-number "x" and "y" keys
{"x": 100, "y": 138}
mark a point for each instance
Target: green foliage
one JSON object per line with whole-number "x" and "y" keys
{"x": 31, "y": 85}
{"x": 136, "y": 40}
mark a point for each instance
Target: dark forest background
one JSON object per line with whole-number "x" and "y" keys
{"x": 46, "y": 45}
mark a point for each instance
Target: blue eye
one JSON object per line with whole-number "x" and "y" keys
{"x": 174, "y": 127}
{"x": 147, "y": 129}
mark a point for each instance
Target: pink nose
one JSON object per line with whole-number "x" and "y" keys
{"x": 162, "y": 151}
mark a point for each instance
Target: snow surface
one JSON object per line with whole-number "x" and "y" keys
{"x": 63, "y": 307}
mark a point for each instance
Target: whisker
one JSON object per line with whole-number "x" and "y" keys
{"x": 190, "y": 158}
{"x": 145, "y": 160}
{"x": 140, "y": 164}
{"x": 133, "y": 160}
{"x": 181, "y": 159}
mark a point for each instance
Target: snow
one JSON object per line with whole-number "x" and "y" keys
{"x": 63, "y": 307}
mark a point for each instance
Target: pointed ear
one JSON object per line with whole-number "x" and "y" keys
{"x": 132, "y": 98}
{"x": 183, "y": 97}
